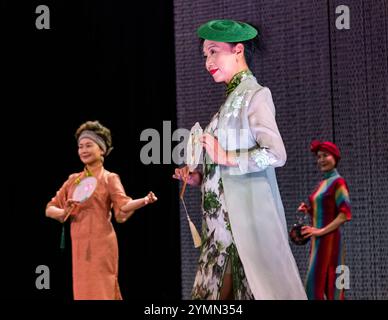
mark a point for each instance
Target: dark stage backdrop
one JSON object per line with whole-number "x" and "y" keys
{"x": 111, "y": 61}
{"x": 327, "y": 84}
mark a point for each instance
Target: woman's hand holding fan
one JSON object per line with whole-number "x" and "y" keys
{"x": 70, "y": 205}
{"x": 193, "y": 156}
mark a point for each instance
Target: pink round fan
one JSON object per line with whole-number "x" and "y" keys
{"x": 85, "y": 189}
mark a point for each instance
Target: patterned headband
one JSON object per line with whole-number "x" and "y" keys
{"x": 95, "y": 137}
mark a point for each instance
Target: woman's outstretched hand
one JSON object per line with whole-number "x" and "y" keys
{"x": 128, "y": 209}
{"x": 150, "y": 198}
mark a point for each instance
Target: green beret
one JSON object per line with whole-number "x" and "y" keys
{"x": 226, "y": 31}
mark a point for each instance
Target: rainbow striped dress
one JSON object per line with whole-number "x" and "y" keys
{"x": 327, "y": 252}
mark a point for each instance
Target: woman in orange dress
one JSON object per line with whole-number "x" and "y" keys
{"x": 94, "y": 242}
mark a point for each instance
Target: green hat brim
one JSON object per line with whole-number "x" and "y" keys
{"x": 226, "y": 31}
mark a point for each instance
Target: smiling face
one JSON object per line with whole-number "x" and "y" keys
{"x": 223, "y": 60}
{"x": 89, "y": 151}
{"x": 326, "y": 161}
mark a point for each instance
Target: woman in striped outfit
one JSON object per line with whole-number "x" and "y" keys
{"x": 329, "y": 209}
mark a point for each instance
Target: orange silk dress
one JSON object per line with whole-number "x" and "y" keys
{"x": 94, "y": 242}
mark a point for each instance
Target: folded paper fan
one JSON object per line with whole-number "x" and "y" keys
{"x": 194, "y": 147}
{"x": 193, "y": 157}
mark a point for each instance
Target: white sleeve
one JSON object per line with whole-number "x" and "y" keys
{"x": 270, "y": 150}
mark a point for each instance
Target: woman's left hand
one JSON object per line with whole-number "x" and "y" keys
{"x": 150, "y": 198}
{"x": 215, "y": 151}
{"x": 308, "y": 232}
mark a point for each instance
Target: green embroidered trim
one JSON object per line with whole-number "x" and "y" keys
{"x": 236, "y": 80}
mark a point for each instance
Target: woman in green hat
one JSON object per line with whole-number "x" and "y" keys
{"x": 245, "y": 252}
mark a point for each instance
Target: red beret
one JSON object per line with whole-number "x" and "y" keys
{"x": 327, "y": 146}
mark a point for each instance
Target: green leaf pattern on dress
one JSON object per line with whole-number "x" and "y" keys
{"x": 217, "y": 240}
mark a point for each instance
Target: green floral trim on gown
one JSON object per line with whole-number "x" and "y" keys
{"x": 217, "y": 239}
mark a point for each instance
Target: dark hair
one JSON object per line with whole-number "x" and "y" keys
{"x": 98, "y": 129}
{"x": 250, "y": 47}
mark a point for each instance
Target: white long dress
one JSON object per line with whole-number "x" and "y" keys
{"x": 247, "y": 126}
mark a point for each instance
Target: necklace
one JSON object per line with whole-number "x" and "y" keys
{"x": 87, "y": 174}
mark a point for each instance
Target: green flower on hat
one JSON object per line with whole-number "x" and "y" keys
{"x": 226, "y": 31}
